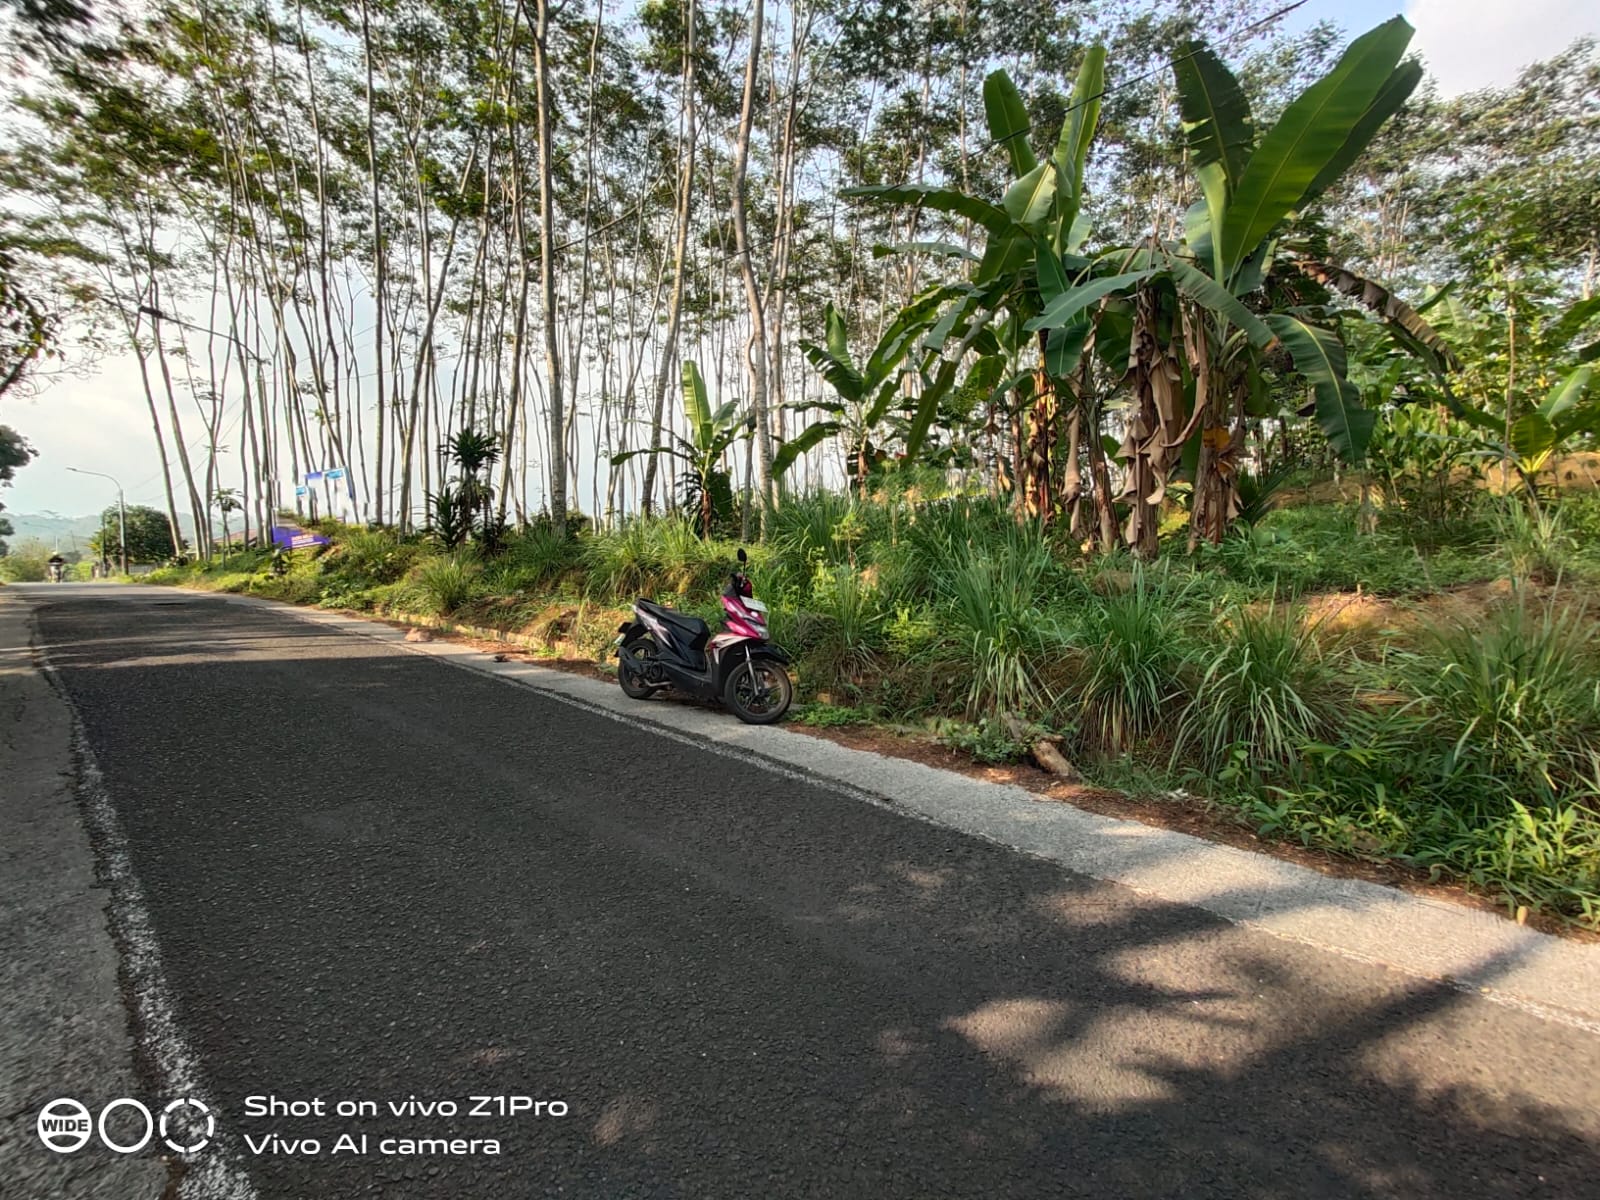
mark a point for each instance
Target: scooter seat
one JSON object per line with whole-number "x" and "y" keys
{"x": 695, "y": 631}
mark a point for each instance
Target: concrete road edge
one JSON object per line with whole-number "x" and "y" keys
{"x": 66, "y": 1031}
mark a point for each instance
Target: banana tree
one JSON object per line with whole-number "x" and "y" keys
{"x": 1206, "y": 331}
{"x": 867, "y": 394}
{"x": 1251, "y": 188}
{"x": 1033, "y": 243}
{"x": 711, "y": 436}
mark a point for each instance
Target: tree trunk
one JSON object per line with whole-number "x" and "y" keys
{"x": 680, "y": 252}
{"x": 547, "y": 271}
{"x": 756, "y": 353}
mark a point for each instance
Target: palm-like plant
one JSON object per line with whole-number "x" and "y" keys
{"x": 473, "y": 453}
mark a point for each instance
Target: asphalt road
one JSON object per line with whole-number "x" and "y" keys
{"x": 374, "y": 876}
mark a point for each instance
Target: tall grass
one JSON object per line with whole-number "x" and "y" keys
{"x": 1265, "y": 689}
{"x": 1132, "y": 646}
{"x": 1509, "y": 708}
{"x": 653, "y": 555}
{"x": 992, "y": 601}
{"x": 534, "y": 560}
{"x": 839, "y": 630}
{"x": 447, "y": 582}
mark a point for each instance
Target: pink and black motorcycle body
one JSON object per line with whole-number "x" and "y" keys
{"x": 661, "y": 649}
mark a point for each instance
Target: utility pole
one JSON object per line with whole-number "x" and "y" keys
{"x": 122, "y": 519}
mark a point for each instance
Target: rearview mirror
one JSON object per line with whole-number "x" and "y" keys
{"x": 743, "y": 557}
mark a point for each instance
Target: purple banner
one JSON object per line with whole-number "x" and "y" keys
{"x": 292, "y": 537}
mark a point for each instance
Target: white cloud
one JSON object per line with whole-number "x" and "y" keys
{"x": 1470, "y": 44}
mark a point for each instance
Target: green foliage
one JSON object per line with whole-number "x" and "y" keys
{"x": 534, "y": 559}
{"x": 374, "y": 555}
{"x": 1264, "y": 689}
{"x": 26, "y": 562}
{"x": 1510, "y": 708}
{"x": 992, "y": 740}
{"x": 992, "y": 602}
{"x": 148, "y": 532}
{"x": 1132, "y": 650}
{"x": 447, "y": 582}
{"x": 838, "y": 630}
{"x": 654, "y": 556}
{"x": 829, "y": 716}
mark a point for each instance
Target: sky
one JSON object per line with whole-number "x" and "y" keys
{"x": 99, "y": 422}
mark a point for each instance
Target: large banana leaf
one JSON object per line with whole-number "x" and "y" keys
{"x": 1312, "y": 132}
{"x": 1070, "y": 303}
{"x": 1063, "y": 348}
{"x": 951, "y": 319}
{"x": 1032, "y": 198}
{"x": 1319, "y": 357}
{"x": 1008, "y": 121}
{"x": 1216, "y": 115}
{"x": 1384, "y": 303}
{"x": 938, "y": 248}
{"x": 789, "y": 452}
{"x": 1072, "y": 149}
{"x": 928, "y": 406}
{"x": 695, "y": 405}
{"x": 1208, "y": 293}
{"x": 838, "y": 334}
{"x": 1053, "y": 279}
{"x": 908, "y": 324}
{"x": 1396, "y": 91}
{"x": 841, "y": 376}
{"x": 943, "y": 199}
{"x": 1561, "y": 405}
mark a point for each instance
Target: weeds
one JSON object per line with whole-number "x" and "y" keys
{"x": 1266, "y": 687}
{"x": 1132, "y": 647}
{"x": 448, "y": 582}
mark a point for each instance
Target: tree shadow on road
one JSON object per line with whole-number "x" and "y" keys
{"x": 745, "y": 984}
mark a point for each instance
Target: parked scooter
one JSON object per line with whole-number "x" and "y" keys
{"x": 663, "y": 649}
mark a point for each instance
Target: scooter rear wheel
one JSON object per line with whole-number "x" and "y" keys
{"x": 758, "y": 691}
{"x": 633, "y": 666}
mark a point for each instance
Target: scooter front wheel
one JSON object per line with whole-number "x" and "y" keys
{"x": 758, "y": 691}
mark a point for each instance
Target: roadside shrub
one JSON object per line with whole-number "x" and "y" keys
{"x": 1507, "y": 709}
{"x": 1265, "y": 686}
{"x": 533, "y": 560}
{"x": 447, "y": 582}
{"x": 656, "y": 555}
{"x": 839, "y": 628}
{"x": 990, "y": 740}
{"x": 829, "y": 716}
{"x": 1132, "y": 646}
{"x": 997, "y": 626}
{"x": 375, "y": 555}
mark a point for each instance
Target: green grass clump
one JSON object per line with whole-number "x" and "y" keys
{"x": 447, "y": 582}
{"x": 1131, "y": 646}
{"x": 992, "y": 600}
{"x": 1264, "y": 688}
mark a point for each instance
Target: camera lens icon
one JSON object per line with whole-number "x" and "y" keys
{"x": 198, "y": 1115}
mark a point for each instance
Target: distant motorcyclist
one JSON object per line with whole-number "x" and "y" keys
{"x": 57, "y": 568}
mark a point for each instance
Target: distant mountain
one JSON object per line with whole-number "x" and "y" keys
{"x": 69, "y": 533}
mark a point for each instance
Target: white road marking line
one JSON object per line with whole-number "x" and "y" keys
{"x": 218, "y": 1172}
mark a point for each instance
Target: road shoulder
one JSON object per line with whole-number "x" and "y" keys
{"x": 66, "y": 1030}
